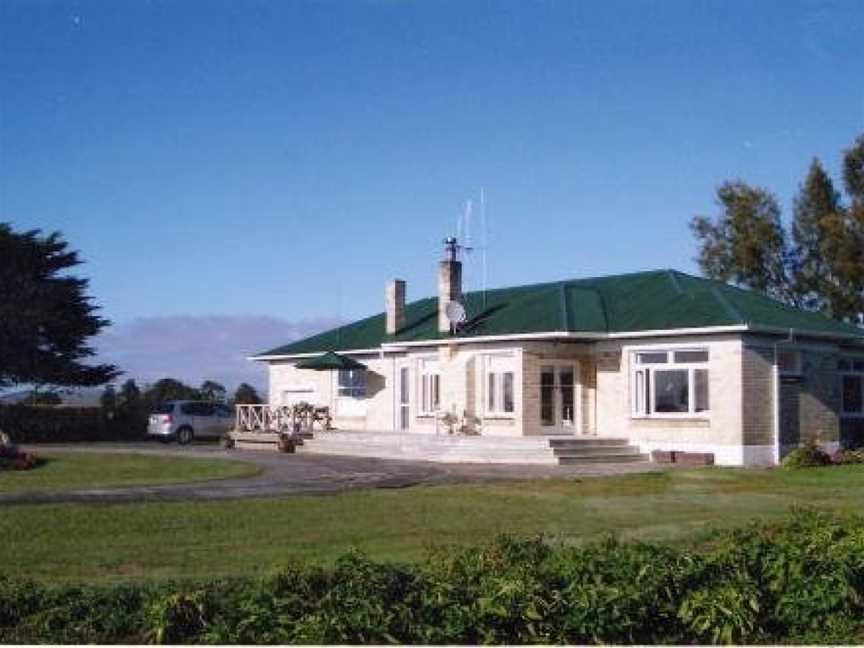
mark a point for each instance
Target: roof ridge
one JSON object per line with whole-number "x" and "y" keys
{"x": 726, "y": 304}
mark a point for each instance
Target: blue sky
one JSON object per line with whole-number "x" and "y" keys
{"x": 283, "y": 159}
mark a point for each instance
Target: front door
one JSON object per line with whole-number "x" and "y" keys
{"x": 558, "y": 398}
{"x": 404, "y": 399}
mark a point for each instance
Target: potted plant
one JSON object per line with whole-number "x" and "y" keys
{"x": 449, "y": 420}
{"x": 285, "y": 443}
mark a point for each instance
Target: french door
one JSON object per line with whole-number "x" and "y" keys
{"x": 404, "y": 399}
{"x": 559, "y": 398}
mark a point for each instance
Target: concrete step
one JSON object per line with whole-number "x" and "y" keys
{"x": 446, "y": 456}
{"x": 586, "y": 441}
{"x": 604, "y": 458}
{"x": 590, "y": 451}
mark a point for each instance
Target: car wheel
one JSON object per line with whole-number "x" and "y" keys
{"x": 184, "y": 435}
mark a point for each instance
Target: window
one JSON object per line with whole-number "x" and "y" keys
{"x": 430, "y": 387}
{"x": 670, "y": 383}
{"x": 852, "y": 376}
{"x": 789, "y": 362}
{"x": 352, "y": 383}
{"x": 499, "y": 395}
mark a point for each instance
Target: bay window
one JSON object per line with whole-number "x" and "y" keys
{"x": 670, "y": 383}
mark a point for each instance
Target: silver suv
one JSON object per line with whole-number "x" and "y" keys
{"x": 187, "y": 420}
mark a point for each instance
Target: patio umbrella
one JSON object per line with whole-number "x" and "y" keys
{"x": 330, "y": 361}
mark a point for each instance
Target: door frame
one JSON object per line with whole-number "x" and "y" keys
{"x": 558, "y": 426}
{"x": 403, "y": 397}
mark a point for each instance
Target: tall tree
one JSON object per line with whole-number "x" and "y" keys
{"x": 745, "y": 244}
{"x": 246, "y": 395}
{"x": 46, "y": 317}
{"x": 853, "y": 170}
{"x": 822, "y": 269}
{"x": 169, "y": 389}
{"x": 108, "y": 399}
{"x": 816, "y": 213}
{"x": 129, "y": 396}
{"x": 213, "y": 391}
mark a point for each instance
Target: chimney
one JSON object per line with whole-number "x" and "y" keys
{"x": 449, "y": 282}
{"x": 395, "y": 300}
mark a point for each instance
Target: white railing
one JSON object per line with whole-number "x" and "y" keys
{"x": 264, "y": 418}
{"x": 280, "y": 418}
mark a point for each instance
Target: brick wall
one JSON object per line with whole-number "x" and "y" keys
{"x": 757, "y": 395}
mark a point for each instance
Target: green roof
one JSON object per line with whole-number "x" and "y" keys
{"x": 643, "y": 301}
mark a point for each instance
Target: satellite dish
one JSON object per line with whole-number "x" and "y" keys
{"x": 455, "y": 312}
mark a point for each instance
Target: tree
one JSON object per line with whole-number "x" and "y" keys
{"x": 746, "y": 243}
{"x": 43, "y": 398}
{"x": 823, "y": 266}
{"x": 46, "y": 317}
{"x": 853, "y": 170}
{"x": 129, "y": 398}
{"x": 246, "y": 395}
{"x": 817, "y": 208}
{"x": 212, "y": 391}
{"x": 169, "y": 389}
{"x": 108, "y": 399}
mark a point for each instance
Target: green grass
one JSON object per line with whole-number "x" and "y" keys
{"x": 205, "y": 539}
{"x": 74, "y": 470}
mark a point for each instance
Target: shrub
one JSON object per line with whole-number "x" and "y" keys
{"x": 844, "y": 457}
{"x": 26, "y": 424}
{"x": 808, "y": 456}
{"x": 800, "y": 581}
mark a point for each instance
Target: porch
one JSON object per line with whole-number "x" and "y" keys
{"x": 260, "y": 427}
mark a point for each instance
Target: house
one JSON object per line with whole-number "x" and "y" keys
{"x": 663, "y": 359}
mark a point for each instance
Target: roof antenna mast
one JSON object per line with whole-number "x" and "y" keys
{"x": 484, "y": 243}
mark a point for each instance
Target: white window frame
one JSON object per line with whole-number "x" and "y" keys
{"x": 851, "y": 370}
{"x": 429, "y": 387}
{"x": 640, "y": 373}
{"x": 495, "y": 368}
{"x": 355, "y": 391}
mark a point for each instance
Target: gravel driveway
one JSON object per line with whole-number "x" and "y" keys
{"x": 297, "y": 474}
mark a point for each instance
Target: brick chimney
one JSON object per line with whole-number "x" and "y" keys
{"x": 395, "y": 300}
{"x": 449, "y": 282}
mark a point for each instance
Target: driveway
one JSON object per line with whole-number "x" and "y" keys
{"x": 299, "y": 474}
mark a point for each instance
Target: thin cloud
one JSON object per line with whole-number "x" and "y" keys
{"x": 197, "y": 348}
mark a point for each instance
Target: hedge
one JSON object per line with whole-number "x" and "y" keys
{"x": 801, "y": 581}
{"x": 35, "y": 424}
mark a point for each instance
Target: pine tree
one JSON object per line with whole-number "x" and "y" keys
{"x": 817, "y": 208}
{"x": 46, "y": 342}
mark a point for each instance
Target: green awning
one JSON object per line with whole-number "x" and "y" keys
{"x": 330, "y": 361}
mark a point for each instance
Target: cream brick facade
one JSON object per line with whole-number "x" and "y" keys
{"x": 738, "y": 430}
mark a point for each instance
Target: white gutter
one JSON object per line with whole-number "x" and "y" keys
{"x": 570, "y": 335}
{"x": 396, "y": 347}
{"x": 298, "y": 356}
{"x": 813, "y": 334}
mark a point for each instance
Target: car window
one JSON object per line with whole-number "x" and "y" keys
{"x": 189, "y": 409}
{"x": 204, "y": 409}
{"x": 164, "y": 408}
{"x": 224, "y": 410}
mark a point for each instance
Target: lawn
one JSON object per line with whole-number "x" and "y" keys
{"x": 206, "y": 539}
{"x": 74, "y": 470}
